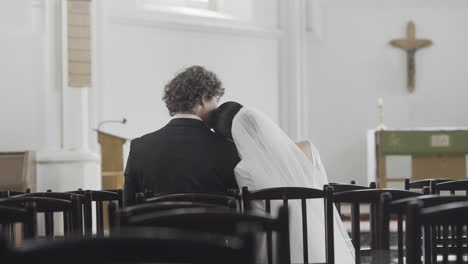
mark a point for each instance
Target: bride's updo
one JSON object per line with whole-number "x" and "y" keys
{"x": 223, "y": 117}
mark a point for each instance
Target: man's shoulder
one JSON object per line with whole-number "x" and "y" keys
{"x": 136, "y": 142}
{"x": 206, "y": 135}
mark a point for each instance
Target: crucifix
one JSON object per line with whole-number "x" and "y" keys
{"x": 411, "y": 45}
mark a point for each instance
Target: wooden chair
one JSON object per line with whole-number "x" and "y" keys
{"x": 343, "y": 187}
{"x": 451, "y": 186}
{"x": 48, "y": 206}
{"x": 216, "y": 199}
{"x": 217, "y": 220}
{"x": 236, "y": 194}
{"x": 418, "y": 218}
{"x": 147, "y": 208}
{"x": 399, "y": 208}
{"x": 286, "y": 194}
{"x": 419, "y": 185}
{"x": 142, "y": 245}
{"x": 26, "y": 216}
{"x": 370, "y": 197}
{"x": 75, "y": 223}
{"x": 340, "y": 187}
{"x": 99, "y": 197}
{"x": 119, "y": 192}
{"x": 162, "y": 206}
{"x": 6, "y": 194}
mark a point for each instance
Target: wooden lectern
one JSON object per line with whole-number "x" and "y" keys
{"x": 112, "y": 160}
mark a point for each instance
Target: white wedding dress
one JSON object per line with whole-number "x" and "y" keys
{"x": 269, "y": 158}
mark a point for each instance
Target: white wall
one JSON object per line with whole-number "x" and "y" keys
{"x": 139, "y": 56}
{"x": 353, "y": 65}
{"x": 20, "y": 78}
{"x": 347, "y": 70}
{"x": 134, "y": 58}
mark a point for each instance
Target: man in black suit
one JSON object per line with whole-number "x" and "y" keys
{"x": 185, "y": 155}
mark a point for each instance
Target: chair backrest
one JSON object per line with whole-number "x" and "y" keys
{"x": 453, "y": 215}
{"x": 451, "y": 186}
{"x": 86, "y": 211}
{"x": 49, "y": 206}
{"x": 146, "y": 245}
{"x": 221, "y": 200}
{"x": 303, "y": 194}
{"x": 75, "y": 222}
{"x": 419, "y": 185}
{"x": 56, "y": 195}
{"x": 217, "y": 220}
{"x": 162, "y": 206}
{"x": 236, "y": 194}
{"x": 369, "y": 197}
{"x": 399, "y": 208}
{"x": 10, "y": 215}
{"x": 343, "y": 187}
{"x": 99, "y": 197}
{"x": 120, "y": 195}
{"x": 147, "y": 208}
{"x": 6, "y": 194}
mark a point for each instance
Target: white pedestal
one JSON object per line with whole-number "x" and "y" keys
{"x": 72, "y": 165}
{"x": 63, "y": 171}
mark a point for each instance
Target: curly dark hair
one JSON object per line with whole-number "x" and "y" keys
{"x": 188, "y": 87}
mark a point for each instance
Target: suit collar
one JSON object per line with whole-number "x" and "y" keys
{"x": 187, "y": 116}
{"x": 187, "y": 122}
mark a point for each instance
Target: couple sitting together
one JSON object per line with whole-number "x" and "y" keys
{"x": 211, "y": 149}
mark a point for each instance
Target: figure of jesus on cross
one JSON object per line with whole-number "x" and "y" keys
{"x": 411, "y": 45}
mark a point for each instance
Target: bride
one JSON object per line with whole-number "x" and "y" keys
{"x": 269, "y": 159}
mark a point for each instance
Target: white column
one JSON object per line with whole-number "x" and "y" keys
{"x": 315, "y": 18}
{"x": 292, "y": 67}
{"x": 65, "y": 162}
{"x": 51, "y": 47}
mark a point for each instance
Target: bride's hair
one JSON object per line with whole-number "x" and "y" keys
{"x": 223, "y": 117}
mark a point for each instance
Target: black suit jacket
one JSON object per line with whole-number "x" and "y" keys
{"x": 183, "y": 156}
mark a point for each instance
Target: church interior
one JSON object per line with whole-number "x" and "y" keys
{"x": 379, "y": 88}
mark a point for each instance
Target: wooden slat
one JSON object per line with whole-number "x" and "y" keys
{"x": 304, "y": 230}
{"x": 79, "y": 43}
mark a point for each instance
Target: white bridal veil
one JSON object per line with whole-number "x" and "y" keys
{"x": 269, "y": 158}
